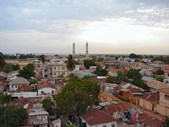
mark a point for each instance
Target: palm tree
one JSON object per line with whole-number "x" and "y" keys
{"x": 70, "y": 63}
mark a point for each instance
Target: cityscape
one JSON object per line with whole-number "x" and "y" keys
{"x": 74, "y": 63}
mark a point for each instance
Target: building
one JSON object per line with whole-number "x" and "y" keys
{"x": 98, "y": 118}
{"x": 14, "y": 84}
{"x": 38, "y": 117}
{"x": 46, "y": 88}
{"x": 163, "y": 106}
{"x": 55, "y": 71}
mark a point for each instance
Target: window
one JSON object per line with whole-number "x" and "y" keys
{"x": 112, "y": 125}
{"x": 104, "y": 126}
{"x": 54, "y": 68}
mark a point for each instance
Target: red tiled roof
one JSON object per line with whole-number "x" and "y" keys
{"x": 45, "y": 84}
{"x": 118, "y": 107}
{"x": 95, "y": 117}
{"x": 149, "y": 121}
{"x": 21, "y": 102}
{"x": 24, "y": 87}
{"x": 151, "y": 96}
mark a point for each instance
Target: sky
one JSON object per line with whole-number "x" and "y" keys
{"x": 109, "y": 26}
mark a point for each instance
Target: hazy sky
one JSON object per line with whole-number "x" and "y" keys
{"x": 109, "y": 26}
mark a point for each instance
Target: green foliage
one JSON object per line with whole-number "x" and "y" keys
{"x": 27, "y": 72}
{"x": 48, "y": 106}
{"x": 42, "y": 58}
{"x": 11, "y": 67}
{"x": 7, "y": 56}
{"x": 132, "y": 55}
{"x": 70, "y": 63}
{"x": 101, "y": 72}
{"x": 121, "y": 76}
{"x": 2, "y": 61}
{"x": 13, "y": 117}
{"x": 134, "y": 74}
{"x": 4, "y": 99}
{"x": 140, "y": 83}
{"x": 67, "y": 125}
{"x": 166, "y": 122}
{"x": 160, "y": 78}
{"x": 76, "y": 96}
{"x": 164, "y": 59}
{"x": 159, "y": 72}
{"x": 111, "y": 79}
{"x": 25, "y": 56}
{"x": 88, "y": 63}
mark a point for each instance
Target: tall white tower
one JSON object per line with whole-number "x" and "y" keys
{"x": 73, "y": 49}
{"x": 87, "y": 49}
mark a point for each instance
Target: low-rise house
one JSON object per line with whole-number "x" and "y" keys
{"x": 149, "y": 101}
{"x": 82, "y": 74}
{"x": 118, "y": 110}
{"x": 130, "y": 93}
{"x": 112, "y": 71}
{"x": 163, "y": 106}
{"x": 12, "y": 75}
{"x": 24, "y": 88}
{"x": 14, "y": 84}
{"x": 108, "y": 97}
{"x": 45, "y": 87}
{"x": 98, "y": 118}
{"x": 156, "y": 85}
{"x": 22, "y": 102}
{"x": 140, "y": 65}
{"x": 38, "y": 116}
{"x": 145, "y": 120}
{"x": 108, "y": 87}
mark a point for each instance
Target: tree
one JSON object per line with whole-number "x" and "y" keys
{"x": 101, "y": 72}
{"x": 132, "y": 55}
{"x": 11, "y": 67}
{"x": 111, "y": 79}
{"x": 70, "y": 63}
{"x": 4, "y": 99}
{"x": 2, "y": 61}
{"x": 77, "y": 96}
{"x": 121, "y": 76}
{"x": 48, "y": 105}
{"x": 42, "y": 58}
{"x": 140, "y": 83}
{"x": 134, "y": 74}
{"x": 166, "y": 122}
{"x": 159, "y": 72}
{"x": 160, "y": 78}
{"x": 13, "y": 117}
{"x": 88, "y": 63}
{"x": 27, "y": 72}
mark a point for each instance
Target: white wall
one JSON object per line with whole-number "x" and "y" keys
{"x": 46, "y": 90}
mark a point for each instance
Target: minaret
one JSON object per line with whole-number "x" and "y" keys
{"x": 86, "y": 49}
{"x": 73, "y": 49}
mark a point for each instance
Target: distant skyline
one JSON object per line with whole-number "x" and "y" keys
{"x": 109, "y": 26}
